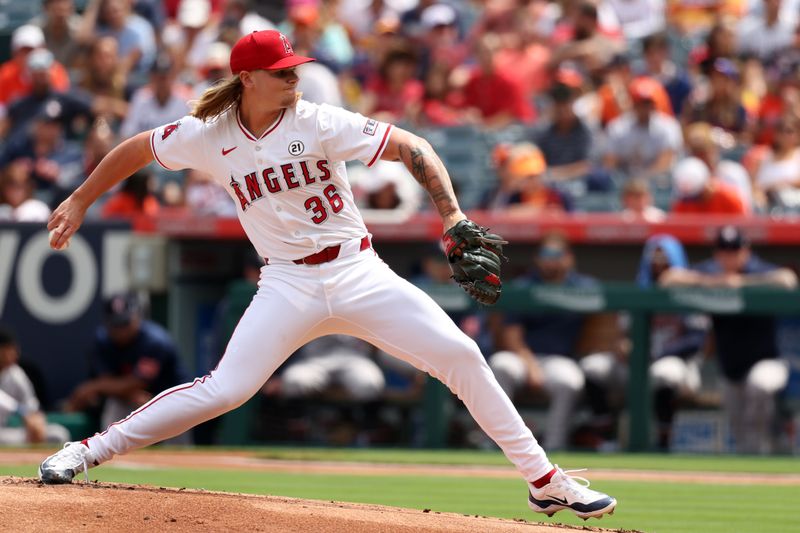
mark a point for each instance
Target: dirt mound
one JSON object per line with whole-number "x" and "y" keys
{"x": 30, "y": 506}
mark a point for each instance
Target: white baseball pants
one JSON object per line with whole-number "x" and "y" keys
{"x": 360, "y": 377}
{"x": 355, "y": 294}
{"x": 564, "y": 382}
{"x": 18, "y": 436}
{"x": 750, "y": 405}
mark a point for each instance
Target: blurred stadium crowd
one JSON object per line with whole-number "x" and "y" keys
{"x": 643, "y": 107}
{"x": 607, "y": 105}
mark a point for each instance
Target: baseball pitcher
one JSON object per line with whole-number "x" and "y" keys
{"x": 282, "y": 160}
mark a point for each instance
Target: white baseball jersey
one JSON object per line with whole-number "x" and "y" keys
{"x": 290, "y": 184}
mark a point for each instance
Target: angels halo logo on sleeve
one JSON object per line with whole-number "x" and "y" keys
{"x": 296, "y": 147}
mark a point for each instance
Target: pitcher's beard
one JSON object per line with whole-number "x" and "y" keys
{"x": 290, "y": 100}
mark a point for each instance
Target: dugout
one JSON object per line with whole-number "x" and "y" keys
{"x": 186, "y": 263}
{"x": 607, "y": 246}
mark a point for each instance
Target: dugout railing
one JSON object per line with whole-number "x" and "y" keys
{"x": 640, "y": 303}
{"x": 607, "y": 246}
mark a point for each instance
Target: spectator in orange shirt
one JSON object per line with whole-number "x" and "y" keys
{"x": 698, "y": 192}
{"x": 135, "y": 197}
{"x": 15, "y": 80}
{"x": 527, "y": 193}
{"x": 615, "y": 94}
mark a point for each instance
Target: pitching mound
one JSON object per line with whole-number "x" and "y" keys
{"x": 30, "y": 506}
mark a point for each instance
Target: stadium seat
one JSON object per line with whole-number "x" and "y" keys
{"x": 465, "y": 155}
{"x": 597, "y": 202}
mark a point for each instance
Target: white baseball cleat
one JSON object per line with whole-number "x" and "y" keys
{"x": 564, "y": 492}
{"x": 62, "y": 466}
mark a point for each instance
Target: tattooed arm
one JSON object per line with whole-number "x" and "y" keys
{"x": 427, "y": 169}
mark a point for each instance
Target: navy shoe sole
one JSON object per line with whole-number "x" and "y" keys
{"x": 50, "y": 478}
{"x": 594, "y": 510}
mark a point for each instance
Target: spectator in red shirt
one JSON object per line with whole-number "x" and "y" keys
{"x": 526, "y": 52}
{"x": 492, "y": 91}
{"x": 782, "y": 98}
{"x": 440, "y": 105}
{"x": 394, "y": 94}
{"x": 705, "y": 143}
{"x": 698, "y": 192}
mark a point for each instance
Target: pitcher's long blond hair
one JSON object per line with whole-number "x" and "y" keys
{"x": 218, "y": 98}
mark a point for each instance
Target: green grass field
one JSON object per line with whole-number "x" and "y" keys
{"x": 647, "y": 506}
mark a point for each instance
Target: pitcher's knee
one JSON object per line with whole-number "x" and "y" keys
{"x": 462, "y": 365}
{"x": 461, "y": 354}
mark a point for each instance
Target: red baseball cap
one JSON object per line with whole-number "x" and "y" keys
{"x": 264, "y": 50}
{"x": 644, "y": 89}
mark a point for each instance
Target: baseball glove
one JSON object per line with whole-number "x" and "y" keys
{"x": 474, "y": 257}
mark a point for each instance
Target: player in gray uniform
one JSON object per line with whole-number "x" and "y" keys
{"x": 17, "y": 397}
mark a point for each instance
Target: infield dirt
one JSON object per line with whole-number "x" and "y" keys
{"x": 28, "y": 505}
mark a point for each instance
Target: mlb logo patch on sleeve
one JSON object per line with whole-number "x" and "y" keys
{"x": 371, "y": 127}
